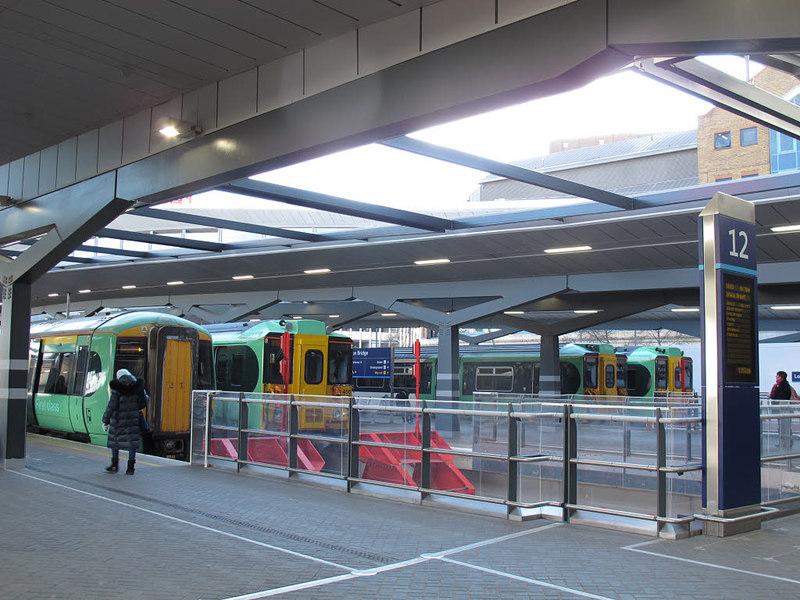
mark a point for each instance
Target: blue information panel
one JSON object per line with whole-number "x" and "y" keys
{"x": 372, "y": 362}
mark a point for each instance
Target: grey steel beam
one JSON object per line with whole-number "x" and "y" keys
{"x": 726, "y": 91}
{"x": 179, "y": 217}
{"x": 788, "y": 63}
{"x": 162, "y": 240}
{"x": 512, "y": 172}
{"x": 99, "y": 250}
{"x": 334, "y": 204}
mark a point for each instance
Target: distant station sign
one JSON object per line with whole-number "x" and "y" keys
{"x": 372, "y": 362}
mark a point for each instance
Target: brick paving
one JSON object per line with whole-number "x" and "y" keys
{"x": 175, "y": 531}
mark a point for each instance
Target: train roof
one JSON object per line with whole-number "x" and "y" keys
{"x": 111, "y": 322}
{"x": 652, "y": 351}
{"x": 227, "y": 332}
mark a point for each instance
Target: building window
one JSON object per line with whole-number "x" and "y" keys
{"x": 784, "y": 151}
{"x": 748, "y": 136}
{"x": 722, "y": 139}
{"x": 746, "y": 175}
{"x": 723, "y": 179}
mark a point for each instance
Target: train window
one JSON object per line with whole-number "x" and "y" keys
{"x": 537, "y": 367}
{"x": 237, "y": 368}
{"x": 340, "y": 363}
{"x": 205, "y": 369}
{"x": 426, "y": 378}
{"x": 94, "y": 374}
{"x": 49, "y": 373}
{"x": 570, "y": 378}
{"x": 404, "y": 377}
{"x": 590, "y": 372}
{"x": 371, "y": 383}
{"x": 80, "y": 370}
{"x": 132, "y": 355}
{"x": 494, "y": 379}
{"x": 688, "y": 376}
{"x": 678, "y": 377}
{"x": 661, "y": 374}
{"x": 621, "y": 373}
{"x": 272, "y": 361}
{"x": 314, "y": 362}
{"x": 611, "y": 376}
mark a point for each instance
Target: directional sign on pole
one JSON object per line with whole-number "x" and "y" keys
{"x": 372, "y": 362}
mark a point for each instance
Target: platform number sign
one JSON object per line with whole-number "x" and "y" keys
{"x": 737, "y": 239}
{"x": 738, "y": 250}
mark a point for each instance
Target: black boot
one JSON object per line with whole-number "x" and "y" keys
{"x": 129, "y": 471}
{"x": 114, "y": 466}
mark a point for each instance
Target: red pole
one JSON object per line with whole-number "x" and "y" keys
{"x": 417, "y": 375}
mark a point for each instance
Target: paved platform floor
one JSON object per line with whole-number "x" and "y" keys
{"x": 174, "y": 531}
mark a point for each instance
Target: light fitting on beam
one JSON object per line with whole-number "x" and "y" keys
{"x": 785, "y": 228}
{"x": 513, "y": 312}
{"x": 786, "y": 307}
{"x": 687, "y": 309}
{"x": 588, "y": 311}
{"x": 567, "y": 249}
{"x": 177, "y": 128}
{"x": 432, "y": 261}
{"x": 316, "y": 271}
{"x": 388, "y": 314}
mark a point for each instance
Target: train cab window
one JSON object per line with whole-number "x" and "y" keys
{"x": 237, "y": 368}
{"x": 622, "y": 368}
{"x": 132, "y": 355}
{"x": 313, "y": 366}
{"x": 494, "y": 379}
{"x": 340, "y": 363}
{"x": 64, "y": 369}
{"x": 590, "y": 372}
{"x": 94, "y": 374}
{"x": 273, "y": 355}
{"x": 570, "y": 378}
{"x": 80, "y": 370}
{"x": 611, "y": 376}
{"x": 662, "y": 370}
{"x": 688, "y": 376}
{"x": 49, "y": 373}
{"x": 205, "y": 369}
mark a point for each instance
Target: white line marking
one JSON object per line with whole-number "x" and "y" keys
{"x": 527, "y": 580}
{"x": 191, "y": 524}
{"x": 488, "y": 542}
{"x": 294, "y": 588}
{"x": 634, "y": 548}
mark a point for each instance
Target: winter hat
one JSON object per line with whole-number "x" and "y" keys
{"x": 125, "y": 373}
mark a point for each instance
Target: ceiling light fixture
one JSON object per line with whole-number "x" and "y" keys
{"x": 567, "y": 249}
{"x": 786, "y": 307}
{"x": 388, "y": 314}
{"x": 177, "y": 128}
{"x": 174, "y": 283}
{"x": 316, "y": 271}
{"x": 432, "y": 261}
{"x": 686, "y": 310}
{"x": 785, "y": 228}
{"x": 53, "y": 295}
{"x": 84, "y": 291}
{"x": 242, "y": 277}
{"x": 334, "y": 316}
{"x": 587, "y": 311}
{"x": 513, "y": 312}
{"x": 129, "y": 287}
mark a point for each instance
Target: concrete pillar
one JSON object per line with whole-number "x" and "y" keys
{"x": 550, "y": 367}
{"x": 15, "y": 318}
{"x": 447, "y": 392}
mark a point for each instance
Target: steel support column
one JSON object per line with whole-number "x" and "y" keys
{"x": 447, "y": 391}
{"x": 14, "y": 335}
{"x": 549, "y": 368}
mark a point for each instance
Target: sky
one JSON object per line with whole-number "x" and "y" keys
{"x": 625, "y": 102}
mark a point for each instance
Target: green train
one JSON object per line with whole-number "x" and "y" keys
{"x": 293, "y": 357}
{"x": 585, "y": 369}
{"x": 72, "y": 361}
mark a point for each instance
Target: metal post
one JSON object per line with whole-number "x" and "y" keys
{"x": 243, "y": 420}
{"x": 661, "y": 462}
{"x": 353, "y": 432}
{"x": 425, "y": 473}
{"x": 512, "y": 452}
{"x": 570, "y": 468}
{"x": 293, "y": 429}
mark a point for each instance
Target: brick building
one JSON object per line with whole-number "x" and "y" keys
{"x": 732, "y": 147}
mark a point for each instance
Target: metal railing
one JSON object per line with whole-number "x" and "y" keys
{"x": 526, "y": 456}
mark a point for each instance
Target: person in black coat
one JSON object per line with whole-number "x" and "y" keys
{"x": 781, "y": 390}
{"x": 121, "y": 418}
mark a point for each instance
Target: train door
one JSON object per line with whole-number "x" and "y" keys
{"x": 76, "y": 382}
{"x": 309, "y": 376}
{"x": 176, "y": 384}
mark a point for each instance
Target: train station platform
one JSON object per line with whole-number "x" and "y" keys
{"x": 176, "y": 531}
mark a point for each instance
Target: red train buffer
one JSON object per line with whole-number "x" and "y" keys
{"x": 270, "y": 451}
{"x": 395, "y": 465}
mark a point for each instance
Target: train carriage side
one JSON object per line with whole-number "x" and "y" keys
{"x": 73, "y": 361}
{"x": 596, "y": 366}
{"x": 659, "y": 372}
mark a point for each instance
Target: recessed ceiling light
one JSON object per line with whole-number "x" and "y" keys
{"x": 240, "y": 277}
{"x": 174, "y": 283}
{"x": 388, "y": 314}
{"x": 786, "y": 307}
{"x": 169, "y": 131}
{"x": 297, "y": 317}
{"x": 587, "y": 311}
{"x": 128, "y": 287}
{"x": 254, "y": 320}
{"x": 334, "y": 316}
{"x": 53, "y": 295}
{"x": 686, "y": 310}
{"x": 783, "y": 228}
{"x": 567, "y": 249}
{"x": 513, "y": 312}
{"x": 432, "y": 261}
{"x": 316, "y": 271}
{"x": 84, "y": 291}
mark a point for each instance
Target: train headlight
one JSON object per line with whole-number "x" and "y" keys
{"x": 337, "y": 413}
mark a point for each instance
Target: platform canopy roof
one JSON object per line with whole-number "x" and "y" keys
{"x": 74, "y": 66}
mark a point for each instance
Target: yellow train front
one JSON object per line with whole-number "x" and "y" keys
{"x": 294, "y": 357}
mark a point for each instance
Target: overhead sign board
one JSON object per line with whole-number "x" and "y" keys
{"x": 372, "y": 362}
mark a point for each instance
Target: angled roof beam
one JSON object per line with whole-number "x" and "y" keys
{"x": 789, "y": 63}
{"x": 101, "y": 250}
{"x": 162, "y": 240}
{"x": 511, "y": 172}
{"x": 178, "y": 217}
{"x": 727, "y": 92}
{"x": 334, "y": 204}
